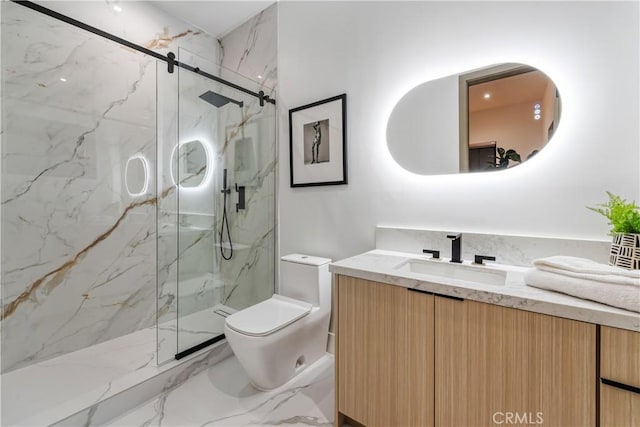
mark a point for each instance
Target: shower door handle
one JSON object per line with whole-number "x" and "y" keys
{"x": 241, "y": 199}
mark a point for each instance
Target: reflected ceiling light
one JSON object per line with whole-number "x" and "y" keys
{"x": 537, "y": 111}
{"x": 260, "y": 77}
{"x": 62, "y": 79}
{"x": 145, "y": 167}
{"x": 117, "y": 8}
{"x": 209, "y": 159}
{"x": 537, "y": 117}
{"x": 487, "y": 95}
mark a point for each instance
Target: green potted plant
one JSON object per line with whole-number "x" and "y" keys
{"x": 624, "y": 218}
{"x": 503, "y": 157}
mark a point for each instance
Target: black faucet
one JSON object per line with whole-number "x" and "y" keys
{"x": 478, "y": 259}
{"x": 434, "y": 254}
{"x": 456, "y": 241}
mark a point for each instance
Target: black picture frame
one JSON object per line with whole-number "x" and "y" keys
{"x": 305, "y": 173}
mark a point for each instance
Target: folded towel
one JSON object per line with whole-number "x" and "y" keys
{"x": 621, "y": 296}
{"x": 587, "y": 269}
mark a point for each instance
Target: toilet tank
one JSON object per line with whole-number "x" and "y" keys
{"x": 303, "y": 277}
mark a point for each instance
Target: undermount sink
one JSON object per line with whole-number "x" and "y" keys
{"x": 467, "y": 273}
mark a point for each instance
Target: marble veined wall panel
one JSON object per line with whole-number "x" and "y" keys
{"x": 250, "y": 155}
{"x": 78, "y": 227}
{"x": 251, "y": 49}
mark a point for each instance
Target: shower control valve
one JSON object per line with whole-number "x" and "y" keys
{"x": 241, "y": 198}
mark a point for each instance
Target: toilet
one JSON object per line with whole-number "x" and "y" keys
{"x": 278, "y": 338}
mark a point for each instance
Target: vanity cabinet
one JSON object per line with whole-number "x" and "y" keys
{"x": 619, "y": 377}
{"x": 384, "y": 354}
{"x": 495, "y": 364}
{"x": 406, "y": 358}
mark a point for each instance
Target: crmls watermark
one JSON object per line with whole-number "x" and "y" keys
{"x": 520, "y": 418}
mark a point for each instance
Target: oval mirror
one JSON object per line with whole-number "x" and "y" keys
{"x": 478, "y": 121}
{"x": 191, "y": 165}
{"x": 136, "y": 176}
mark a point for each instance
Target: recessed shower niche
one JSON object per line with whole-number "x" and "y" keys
{"x": 488, "y": 119}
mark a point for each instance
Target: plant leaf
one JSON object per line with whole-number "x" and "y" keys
{"x": 624, "y": 217}
{"x": 513, "y": 155}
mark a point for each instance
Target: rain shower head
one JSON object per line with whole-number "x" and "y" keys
{"x": 218, "y": 100}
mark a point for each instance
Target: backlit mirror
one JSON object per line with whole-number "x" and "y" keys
{"x": 478, "y": 121}
{"x": 190, "y": 169}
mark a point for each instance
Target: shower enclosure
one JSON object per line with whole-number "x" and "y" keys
{"x": 113, "y": 203}
{"x": 216, "y": 230}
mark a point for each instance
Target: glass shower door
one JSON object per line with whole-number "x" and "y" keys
{"x": 223, "y": 166}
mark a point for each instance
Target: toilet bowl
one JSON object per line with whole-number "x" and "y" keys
{"x": 278, "y": 338}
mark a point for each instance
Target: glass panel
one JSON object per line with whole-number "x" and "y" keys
{"x": 78, "y": 211}
{"x": 226, "y": 150}
{"x": 78, "y": 242}
{"x": 167, "y": 211}
{"x": 193, "y": 172}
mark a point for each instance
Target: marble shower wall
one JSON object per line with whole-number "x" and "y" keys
{"x": 251, "y": 49}
{"x": 250, "y": 155}
{"x": 78, "y": 248}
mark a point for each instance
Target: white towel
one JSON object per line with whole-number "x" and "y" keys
{"x": 583, "y": 268}
{"x": 617, "y": 295}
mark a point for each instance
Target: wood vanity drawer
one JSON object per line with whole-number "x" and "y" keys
{"x": 619, "y": 407}
{"x": 620, "y": 356}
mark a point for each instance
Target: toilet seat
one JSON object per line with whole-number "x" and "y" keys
{"x": 268, "y": 316}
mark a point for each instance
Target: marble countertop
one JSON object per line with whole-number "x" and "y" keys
{"x": 383, "y": 266}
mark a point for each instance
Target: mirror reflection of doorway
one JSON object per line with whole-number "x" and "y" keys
{"x": 515, "y": 107}
{"x": 481, "y": 156}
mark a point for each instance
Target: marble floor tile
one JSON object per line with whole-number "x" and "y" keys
{"x": 88, "y": 372}
{"x": 223, "y": 396}
{"x": 33, "y": 395}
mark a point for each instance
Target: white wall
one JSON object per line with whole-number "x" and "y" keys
{"x": 376, "y": 52}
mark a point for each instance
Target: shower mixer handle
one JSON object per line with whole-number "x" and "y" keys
{"x": 241, "y": 197}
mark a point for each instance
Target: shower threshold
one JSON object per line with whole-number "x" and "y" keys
{"x": 190, "y": 337}
{"x": 94, "y": 384}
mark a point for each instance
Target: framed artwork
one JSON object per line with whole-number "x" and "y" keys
{"x": 318, "y": 143}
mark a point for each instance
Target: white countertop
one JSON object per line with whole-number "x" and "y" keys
{"x": 381, "y": 266}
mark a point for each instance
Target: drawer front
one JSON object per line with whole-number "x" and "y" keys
{"x": 619, "y": 407}
{"x": 620, "y": 356}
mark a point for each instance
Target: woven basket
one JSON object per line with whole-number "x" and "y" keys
{"x": 625, "y": 251}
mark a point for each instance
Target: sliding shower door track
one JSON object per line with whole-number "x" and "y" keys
{"x": 169, "y": 58}
{"x": 191, "y": 350}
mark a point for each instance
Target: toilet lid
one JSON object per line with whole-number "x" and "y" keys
{"x": 268, "y": 316}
